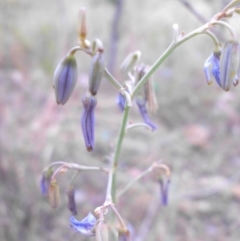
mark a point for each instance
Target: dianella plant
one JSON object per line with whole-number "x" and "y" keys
{"x": 105, "y": 222}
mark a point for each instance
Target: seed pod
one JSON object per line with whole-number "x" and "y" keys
{"x": 88, "y": 120}
{"x": 65, "y": 79}
{"x": 101, "y": 231}
{"x": 53, "y": 193}
{"x": 96, "y": 72}
{"x": 229, "y": 64}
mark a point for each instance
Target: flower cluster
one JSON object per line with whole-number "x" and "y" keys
{"x": 222, "y": 64}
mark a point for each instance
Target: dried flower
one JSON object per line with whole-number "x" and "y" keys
{"x": 213, "y": 61}
{"x": 86, "y": 226}
{"x": 229, "y": 64}
{"x": 96, "y": 72}
{"x": 143, "y": 111}
{"x": 65, "y": 79}
{"x": 71, "y": 201}
{"x": 88, "y": 120}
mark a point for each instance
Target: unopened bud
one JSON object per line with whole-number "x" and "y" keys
{"x": 130, "y": 61}
{"x": 88, "y": 120}
{"x": 71, "y": 201}
{"x": 83, "y": 25}
{"x": 96, "y": 72}
{"x": 53, "y": 194}
{"x": 101, "y": 231}
{"x": 65, "y": 79}
{"x": 229, "y": 64}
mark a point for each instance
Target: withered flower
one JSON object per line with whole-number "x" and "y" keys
{"x": 88, "y": 120}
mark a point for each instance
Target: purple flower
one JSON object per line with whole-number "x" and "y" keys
{"x": 65, "y": 79}
{"x": 85, "y": 226}
{"x": 45, "y": 181}
{"x": 143, "y": 111}
{"x": 164, "y": 186}
{"x": 229, "y": 64}
{"x": 88, "y": 120}
{"x": 121, "y": 101}
{"x": 214, "y": 62}
{"x": 44, "y": 185}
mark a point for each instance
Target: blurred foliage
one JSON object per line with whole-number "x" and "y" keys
{"x": 198, "y": 135}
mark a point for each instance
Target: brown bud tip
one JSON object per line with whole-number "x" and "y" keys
{"x": 83, "y": 26}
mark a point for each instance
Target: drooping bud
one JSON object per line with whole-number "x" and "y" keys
{"x": 65, "y": 79}
{"x": 88, "y": 120}
{"x": 86, "y": 226}
{"x": 71, "y": 201}
{"x": 130, "y": 61}
{"x": 229, "y": 64}
{"x": 141, "y": 103}
{"x": 213, "y": 61}
{"x": 101, "y": 231}
{"x": 53, "y": 193}
{"x": 45, "y": 181}
{"x": 96, "y": 72}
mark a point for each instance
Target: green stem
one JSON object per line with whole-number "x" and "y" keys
{"x": 111, "y": 188}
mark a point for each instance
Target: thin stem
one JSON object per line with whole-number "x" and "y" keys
{"x": 224, "y": 24}
{"x": 111, "y": 187}
{"x": 109, "y": 77}
{"x": 130, "y": 184}
{"x": 75, "y": 166}
{"x": 214, "y": 39}
{"x": 120, "y": 220}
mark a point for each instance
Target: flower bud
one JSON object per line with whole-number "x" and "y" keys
{"x": 130, "y": 61}
{"x": 88, "y": 120}
{"x": 53, "y": 193}
{"x": 101, "y": 231}
{"x": 65, "y": 79}
{"x": 229, "y": 64}
{"x": 96, "y": 72}
{"x": 71, "y": 201}
{"x": 83, "y": 25}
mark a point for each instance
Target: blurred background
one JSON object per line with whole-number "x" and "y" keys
{"x": 198, "y": 126}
